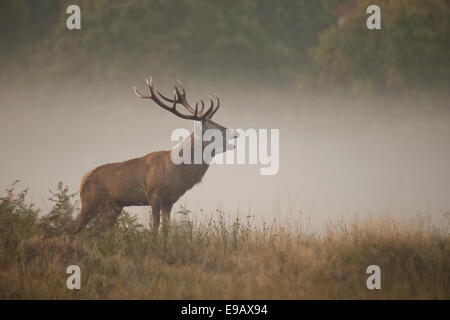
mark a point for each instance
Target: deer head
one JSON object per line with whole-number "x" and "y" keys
{"x": 204, "y": 118}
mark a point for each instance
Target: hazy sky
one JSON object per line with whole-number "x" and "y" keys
{"x": 336, "y": 158}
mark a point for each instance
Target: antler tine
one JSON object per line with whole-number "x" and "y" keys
{"x": 175, "y": 96}
{"x": 179, "y": 97}
{"x": 211, "y": 110}
{"x": 138, "y": 93}
{"x": 164, "y": 97}
{"x": 203, "y": 106}
{"x": 182, "y": 99}
{"x": 175, "y": 88}
{"x": 150, "y": 85}
{"x": 179, "y": 94}
{"x": 196, "y": 109}
{"x": 218, "y": 100}
{"x": 206, "y": 115}
{"x": 212, "y": 102}
{"x": 175, "y": 101}
{"x": 181, "y": 86}
{"x": 149, "y": 82}
{"x": 217, "y": 107}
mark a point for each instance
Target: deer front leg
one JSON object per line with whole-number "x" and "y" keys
{"x": 112, "y": 214}
{"x": 156, "y": 211}
{"x": 166, "y": 218}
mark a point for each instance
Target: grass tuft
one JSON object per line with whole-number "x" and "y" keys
{"x": 216, "y": 258}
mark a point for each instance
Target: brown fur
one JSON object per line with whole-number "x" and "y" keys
{"x": 149, "y": 180}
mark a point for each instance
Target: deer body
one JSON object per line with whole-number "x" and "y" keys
{"x": 149, "y": 180}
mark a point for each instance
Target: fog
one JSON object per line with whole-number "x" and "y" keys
{"x": 339, "y": 158}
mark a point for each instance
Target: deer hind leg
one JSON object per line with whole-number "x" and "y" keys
{"x": 156, "y": 212}
{"x": 166, "y": 209}
{"x": 83, "y": 218}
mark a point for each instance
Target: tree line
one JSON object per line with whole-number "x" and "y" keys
{"x": 323, "y": 44}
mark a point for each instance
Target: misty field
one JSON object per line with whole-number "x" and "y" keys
{"x": 216, "y": 258}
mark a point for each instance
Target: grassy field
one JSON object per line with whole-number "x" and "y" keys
{"x": 218, "y": 258}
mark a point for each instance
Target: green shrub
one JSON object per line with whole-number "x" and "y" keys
{"x": 17, "y": 219}
{"x": 59, "y": 219}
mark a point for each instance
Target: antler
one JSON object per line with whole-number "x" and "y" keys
{"x": 179, "y": 97}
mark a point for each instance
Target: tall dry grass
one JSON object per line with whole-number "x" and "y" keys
{"x": 216, "y": 258}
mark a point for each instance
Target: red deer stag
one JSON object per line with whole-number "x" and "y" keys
{"x": 153, "y": 179}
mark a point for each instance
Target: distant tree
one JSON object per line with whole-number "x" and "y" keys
{"x": 409, "y": 52}
{"x": 199, "y": 39}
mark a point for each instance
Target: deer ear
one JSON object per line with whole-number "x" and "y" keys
{"x": 198, "y": 130}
